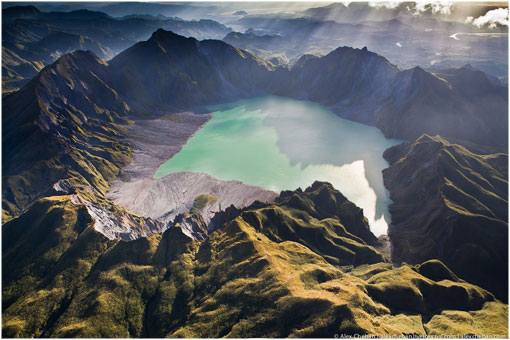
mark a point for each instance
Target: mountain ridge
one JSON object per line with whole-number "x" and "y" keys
{"x": 63, "y": 125}
{"x": 241, "y": 281}
{"x": 465, "y": 219}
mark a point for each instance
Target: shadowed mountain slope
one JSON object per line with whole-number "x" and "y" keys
{"x": 42, "y": 37}
{"x": 451, "y": 205}
{"x": 171, "y": 71}
{"x": 460, "y": 104}
{"x": 346, "y": 76}
{"x": 60, "y": 43}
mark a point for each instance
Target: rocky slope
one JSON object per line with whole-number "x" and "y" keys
{"x": 451, "y": 205}
{"x": 62, "y": 126}
{"x": 175, "y": 194}
{"x": 250, "y": 278}
{"x": 155, "y": 141}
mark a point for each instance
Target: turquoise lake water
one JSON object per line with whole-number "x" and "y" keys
{"x": 282, "y": 144}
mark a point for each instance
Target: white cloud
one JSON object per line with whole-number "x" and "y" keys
{"x": 437, "y": 7}
{"x": 417, "y": 8}
{"x": 387, "y": 4}
{"x": 491, "y": 18}
{"x": 443, "y": 8}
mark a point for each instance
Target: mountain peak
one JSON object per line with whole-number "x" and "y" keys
{"x": 168, "y": 36}
{"x": 418, "y": 70}
{"x": 425, "y": 138}
{"x": 86, "y": 13}
{"x": 80, "y": 57}
{"x": 346, "y": 50}
{"x": 469, "y": 67}
{"x": 419, "y": 74}
{"x": 23, "y": 9}
{"x": 20, "y": 12}
{"x": 318, "y": 185}
{"x": 168, "y": 40}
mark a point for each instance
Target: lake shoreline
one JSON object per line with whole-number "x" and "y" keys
{"x": 162, "y": 199}
{"x": 278, "y": 143}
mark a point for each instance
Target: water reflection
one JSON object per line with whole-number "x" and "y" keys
{"x": 279, "y": 143}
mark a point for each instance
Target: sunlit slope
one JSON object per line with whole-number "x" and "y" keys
{"x": 15, "y": 69}
{"x": 266, "y": 273}
{"x": 28, "y": 46}
{"x": 452, "y": 205}
{"x": 62, "y": 126}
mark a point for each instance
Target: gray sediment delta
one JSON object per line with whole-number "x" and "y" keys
{"x": 163, "y": 199}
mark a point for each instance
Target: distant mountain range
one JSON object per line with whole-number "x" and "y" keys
{"x": 32, "y": 39}
{"x": 454, "y": 13}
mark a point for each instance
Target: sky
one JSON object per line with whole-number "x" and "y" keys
{"x": 487, "y": 15}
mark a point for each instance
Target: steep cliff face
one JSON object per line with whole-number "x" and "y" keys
{"x": 344, "y": 77}
{"x": 171, "y": 72}
{"x": 62, "y": 126}
{"x": 452, "y": 205}
{"x": 270, "y": 270}
{"x": 457, "y": 103}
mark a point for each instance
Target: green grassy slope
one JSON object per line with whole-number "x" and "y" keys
{"x": 245, "y": 280}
